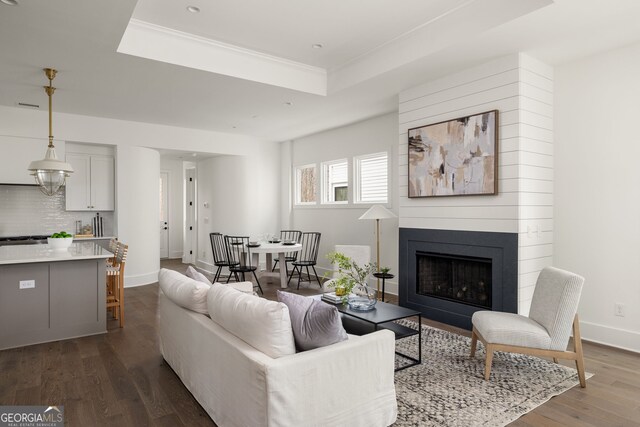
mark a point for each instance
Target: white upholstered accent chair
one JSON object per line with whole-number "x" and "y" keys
{"x": 361, "y": 254}
{"x": 545, "y": 333}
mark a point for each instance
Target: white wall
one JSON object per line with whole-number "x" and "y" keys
{"x": 597, "y": 207}
{"x": 176, "y": 196}
{"x": 521, "y": 88}
{"x": 243, "y": 195}
{"x": 138, "y": 212}
{"x": 339, "y": 225}
{"x": 18, "y": 124}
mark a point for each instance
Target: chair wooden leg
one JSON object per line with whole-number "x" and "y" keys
{"x": 120, "y": 280}
{"x": 488, "y": 361}
{"x": 555, "y": 360}
{"x": 577, "y": 345}
{"x": 474, "y": 342}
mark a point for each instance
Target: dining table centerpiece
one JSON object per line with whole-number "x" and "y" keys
{"x": 351, "y": 282}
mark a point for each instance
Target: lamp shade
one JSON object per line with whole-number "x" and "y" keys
{"x": 378, "y": 212}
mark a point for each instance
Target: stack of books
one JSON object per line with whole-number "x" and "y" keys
{"x": 332, "y": 298}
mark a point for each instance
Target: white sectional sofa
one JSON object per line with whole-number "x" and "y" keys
{"x": 350, "y": 383}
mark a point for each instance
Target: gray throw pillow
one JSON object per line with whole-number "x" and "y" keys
{"x": 314, "y": 323}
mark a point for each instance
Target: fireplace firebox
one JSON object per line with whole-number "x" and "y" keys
{"x": 449, "y": 274}
{"x": 466, "y": 280}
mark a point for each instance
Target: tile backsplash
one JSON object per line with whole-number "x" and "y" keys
{"x": 24, "y": 210}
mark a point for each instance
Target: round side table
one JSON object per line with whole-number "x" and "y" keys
{"x": 383, "y": 276}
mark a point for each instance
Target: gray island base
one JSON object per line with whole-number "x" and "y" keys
{"x": 49, "y": 295}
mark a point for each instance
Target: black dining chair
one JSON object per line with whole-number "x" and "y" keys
{"x": 219, "y": 251}
{"x": 295, "y": 236}
{"x": 239, "y": 256}
{"x": 307, "y": 257}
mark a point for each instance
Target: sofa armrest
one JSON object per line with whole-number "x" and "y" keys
{"x": 348, "y": 383}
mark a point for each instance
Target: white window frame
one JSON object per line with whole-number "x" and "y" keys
{"x": 325, "y": 181}
{"x": 357, "y": 189}
{"x": 297, "y": 188}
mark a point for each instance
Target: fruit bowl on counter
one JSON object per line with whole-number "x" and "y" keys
{"x": 60, "y": 241}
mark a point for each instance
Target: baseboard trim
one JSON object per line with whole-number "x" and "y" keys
{"x": 207, "y": 267}
{"x": 141, "y": 279}
{"x": 613, "y": 337}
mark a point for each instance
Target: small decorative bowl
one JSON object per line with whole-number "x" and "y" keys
{"x": 59, "y": 244}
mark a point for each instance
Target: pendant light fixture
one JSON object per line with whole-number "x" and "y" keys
{"x": 50, "y": 173}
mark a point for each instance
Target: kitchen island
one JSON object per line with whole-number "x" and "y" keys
{"x": 49, "y": 295}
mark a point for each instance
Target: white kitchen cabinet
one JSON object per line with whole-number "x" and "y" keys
{"x": 91, "y": 187}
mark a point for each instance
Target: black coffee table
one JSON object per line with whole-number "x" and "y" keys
{"x": 382, "y": 317}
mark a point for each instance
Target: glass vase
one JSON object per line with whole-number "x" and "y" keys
{"x": 362, "y": 298}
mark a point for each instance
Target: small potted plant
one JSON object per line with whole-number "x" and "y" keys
{"x": 60, "y": 241}
{"x": 385, "y": 270}
{"x": 351, "y": 282}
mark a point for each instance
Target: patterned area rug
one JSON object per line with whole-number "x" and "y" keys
{"x": 448, "y": 388}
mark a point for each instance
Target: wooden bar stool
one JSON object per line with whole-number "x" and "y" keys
{"x": 115, "y": 276}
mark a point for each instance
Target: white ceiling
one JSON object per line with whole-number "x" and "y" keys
{"x": 289, "y": 28}
{"x": 366, "y": 53}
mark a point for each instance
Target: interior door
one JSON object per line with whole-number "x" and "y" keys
{"x": 164, "y": 215}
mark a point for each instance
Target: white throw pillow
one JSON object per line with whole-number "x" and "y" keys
{"x": 196, "y": 275}
{"x": 246, "y": 287}
{"x": 263, "y": 324}
{"x": 184, "y": 291}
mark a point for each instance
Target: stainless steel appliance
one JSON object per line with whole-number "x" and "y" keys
{"x": 23, "y": 240}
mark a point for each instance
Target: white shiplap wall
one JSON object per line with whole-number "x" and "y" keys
{"x": 521, "y": 88}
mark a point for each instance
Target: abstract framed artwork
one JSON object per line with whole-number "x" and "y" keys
{"x": 455, "y": 158}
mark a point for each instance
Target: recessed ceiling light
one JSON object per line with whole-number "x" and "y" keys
{"x": 10, "y": 2}
{"x": 288, "y": 103}
{"x": 255, "y": 116}
{"x": 192, "y": 9}
{"x": 194, "y": 154}
{"x": 235, "y": 127}
{"x": 317, "y": 46}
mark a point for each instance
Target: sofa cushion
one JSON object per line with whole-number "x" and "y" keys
{"x": 263, "y": 324}
{"x": 510, "y": 329}
{"x": 314, "y": 323}
{"x": 184, "y": 291}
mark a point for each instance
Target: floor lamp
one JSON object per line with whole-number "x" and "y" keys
{"x": 378, "y": 212}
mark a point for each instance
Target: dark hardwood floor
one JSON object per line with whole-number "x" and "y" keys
{"x": 120, "y": 379}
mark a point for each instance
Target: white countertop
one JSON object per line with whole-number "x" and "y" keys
{"x": 22, "y": 254}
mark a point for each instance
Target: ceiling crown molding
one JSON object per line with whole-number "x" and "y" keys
{"x": 163, "y": 44}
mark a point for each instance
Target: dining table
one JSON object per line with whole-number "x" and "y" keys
{"x": 270, "y": 249}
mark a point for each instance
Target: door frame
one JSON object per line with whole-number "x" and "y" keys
{"x": 190, "y": 252}
{"x": 169, "y": 211}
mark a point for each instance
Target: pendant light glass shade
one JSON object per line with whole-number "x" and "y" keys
{"x": 50, "y": 173}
